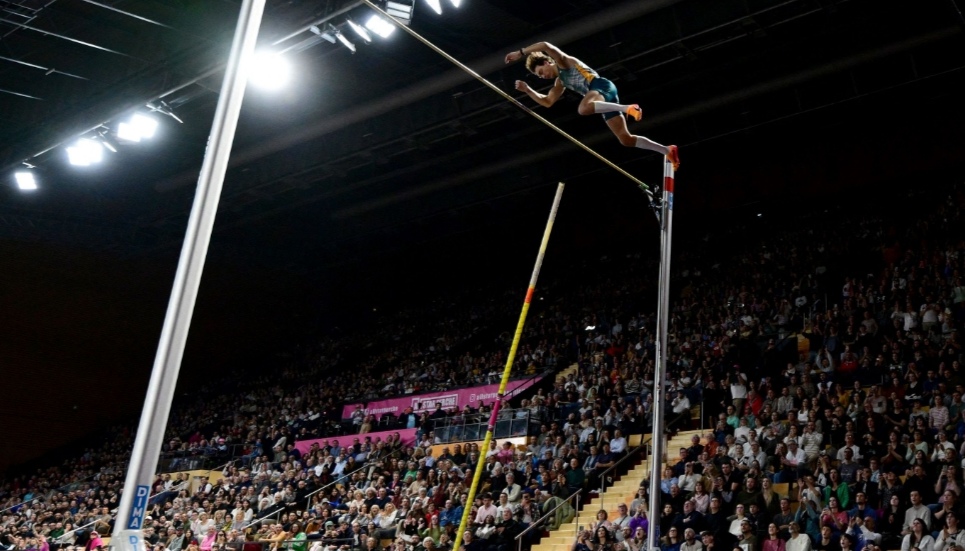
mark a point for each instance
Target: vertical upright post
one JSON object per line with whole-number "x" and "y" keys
{"x": 177, "y": 320}
{"x": 481, "y": 463}
{"x": 660, "y": 358}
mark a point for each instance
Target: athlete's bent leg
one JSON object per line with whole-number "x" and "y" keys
{"x": 593, "y": 104}
{"x": 586, "y": 104}
{"x": 618, "y": 125}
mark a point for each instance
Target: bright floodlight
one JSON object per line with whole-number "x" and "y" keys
{"x": 400, "y": 10}
{"x": 359, "y": 30}
{"x": 137, "y": 128}
{"x": 269, "y": 71}
{"x": 379, "y": 26}
{"x": 436, "y": 5}
{"x": 25, "y": 180}
{"x": 455, "y": 3}
{"x": 85, "y": 152}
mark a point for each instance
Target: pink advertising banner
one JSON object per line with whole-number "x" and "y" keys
{"x": 460, "y": 398}
{"x": 407, "y": 436}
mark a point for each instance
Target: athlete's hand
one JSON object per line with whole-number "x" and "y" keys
{"x": 513, "y": 56}
{"x": 522, "y": 86}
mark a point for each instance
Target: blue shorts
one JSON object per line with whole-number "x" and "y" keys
{"x": 608, "y": 90}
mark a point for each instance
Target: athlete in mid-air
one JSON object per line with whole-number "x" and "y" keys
{"x": 599, "y": 94}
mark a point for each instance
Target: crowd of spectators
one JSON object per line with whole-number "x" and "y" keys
{"x": 793, "y": 371}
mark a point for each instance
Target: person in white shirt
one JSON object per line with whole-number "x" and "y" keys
{"x": 681, "y": 403}
{"x": 915, "y": 512}
{"x": 797, "y": 541}
{"x": 618, "y": 444}
{"x": 794, "y": 460}
{"x": 689, "y": 479}
{"x": 486, "y": 509}
{"x": 741, "y": 432}
{"x": 811, "y": 443}
{"x": 738, "y": 390}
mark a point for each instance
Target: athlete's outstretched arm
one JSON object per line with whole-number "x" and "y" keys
{"x": 546, "y": 100}
{"x": 557, "y": 54}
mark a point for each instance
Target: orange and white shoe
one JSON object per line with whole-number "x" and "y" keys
{"x": 674, "y": 157}
{"x": 635, "y": 112}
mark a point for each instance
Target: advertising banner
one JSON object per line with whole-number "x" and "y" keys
{"x": 460, "y": 398}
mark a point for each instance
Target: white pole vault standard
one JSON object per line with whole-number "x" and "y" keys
{"x": 177, "y": 320}
{"x": 657, "y": 439}
{"x": 506, "y": 96}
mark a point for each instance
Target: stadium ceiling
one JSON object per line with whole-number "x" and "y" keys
{"x": 392, "y": 145}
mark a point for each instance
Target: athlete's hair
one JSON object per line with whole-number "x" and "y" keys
{"x": 536, "y": 59}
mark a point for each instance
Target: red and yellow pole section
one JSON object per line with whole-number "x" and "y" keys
{"x": 481, "y": 463}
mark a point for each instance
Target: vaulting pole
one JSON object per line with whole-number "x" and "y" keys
{"x": 657, "y": 439}
{"x": 177, "y": 321}
{"x": 481, "y": 463}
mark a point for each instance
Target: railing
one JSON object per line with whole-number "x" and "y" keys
{"x": 61, "y": 489}
{"x": 473, "y": 427}
{"x": 603, "y": 475}
{"x": 75, "y": 530}
{"x": 365, "y": 465}
{"x": 190, "y": 460}
{"x": 539, "y": 522}
{"x": 290, "y": 544}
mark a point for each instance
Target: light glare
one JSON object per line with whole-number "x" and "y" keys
{"x": 145, "y": 126}
{"x": 137, "y": 128}
{"x": 269, "y": 71}
{"x": 363, "y": 34}
{"x": 436, "y": 6}
{"x": 345, "y": 42}
{"x": 379, "y": 26}
{"x": 127, "y": 132}
{"x": 25, "y": 180}
{"x": 85, "y": 152}
{"x": 455, "y": 3}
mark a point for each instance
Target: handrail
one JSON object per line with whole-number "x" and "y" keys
{"x": 365, "y": 465}
{"x": 615, "y": 465}
{"x": 537, "y": 522}
{"x": 114, "y": 511}
{"x": 91, "y": 523}
{"x": 46, "y": 494}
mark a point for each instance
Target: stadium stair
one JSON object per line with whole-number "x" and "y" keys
{"x": 623, "y": 490}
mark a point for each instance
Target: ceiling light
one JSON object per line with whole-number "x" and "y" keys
{"x": 137, "y": 128}
{"x": 345, "y": 42}
{"x": 400, "y": 10}
{"x": 25, "y": 180}
{"x": 324, "y": 34}
{"x": 379, "y": 26}
{"x": 436, "y": 5}
{"x": 85, "y": 152}
{"x": 269, "y": 71}
{"x": 359, "y": 30}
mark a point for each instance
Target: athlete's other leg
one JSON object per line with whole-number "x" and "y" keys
{"x": 618, "y": 125}
{"x": 593, "y": 104}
